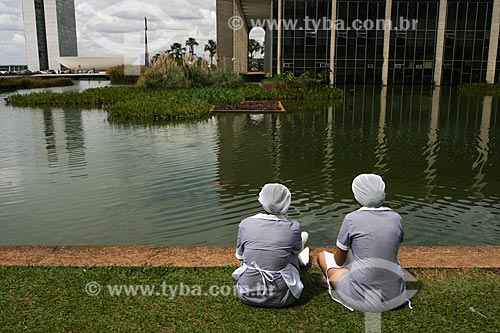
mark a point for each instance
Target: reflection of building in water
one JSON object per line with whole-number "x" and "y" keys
{"x": 432, "y": 148}
{"x": 245, "y": 154}
{"x": 329, "y": 155}
{"x": 50, "y": 138}
{"x": 284, "y": 148}
{"x": 483, "y": 141}
{"x": 381, "y": 150}
{"x": 276, "y": 148}
{"x": 64, "y": 136}
{"x": 75, "y": 141}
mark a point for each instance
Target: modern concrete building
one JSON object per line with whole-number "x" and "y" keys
{"x": 451, "y": 42}
{"x": 12, "y": 68}
{"x": 97, "y": 63}
{"x": 50, "y": 32}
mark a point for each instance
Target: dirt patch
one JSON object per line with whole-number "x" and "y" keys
{"x": 218, "y": 256}
{"x": 250, "y": 107}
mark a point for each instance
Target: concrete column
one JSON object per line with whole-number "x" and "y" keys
{"x": 332, "y": 43}
{"x": 269, "y": 51}
{"x": 31, "y": 35}
{"x": 438, "y": 63}
{"x": 387, "y": 41}
{"x": 52, "y": 31}
{"x": 268, "y": 54}
{"x": 240, "y": 41}
{"x": 232, "y": 36}
{"x": 493, "y": 50}
{"x": 280, "y": 32}
{"x": 224, "y": 9}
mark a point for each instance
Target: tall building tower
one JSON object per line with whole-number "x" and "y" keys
{"x": 50, "y": 32}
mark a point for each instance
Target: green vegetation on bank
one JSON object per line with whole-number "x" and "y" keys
{"x": 480, "y": 89}
{"x": 175, "y": 86}
{"x": 13, "y": 84}
{"x": 180, "y": 70}
{"x": 53, "y": 299}
{"x": 139, "y": 103}
{"x": 122, "y": 74}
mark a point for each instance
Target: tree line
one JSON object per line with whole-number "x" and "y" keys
{"x": 177, "y": 50}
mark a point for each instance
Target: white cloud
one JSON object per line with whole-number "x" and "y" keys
{"x": 10, "y": 22}
{"x": 15, "y": 54}
{"x": 110, "y": 27}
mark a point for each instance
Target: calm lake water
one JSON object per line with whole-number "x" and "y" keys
{"x": 70, "y": 177}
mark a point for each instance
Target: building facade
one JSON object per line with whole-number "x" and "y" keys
{"x": 442, "y": 42}
{"x": 12, "y": 68}
{"x": 50, "y": 32}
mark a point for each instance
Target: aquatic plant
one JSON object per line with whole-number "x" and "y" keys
{"x": 122, "y": 74}
{"x": 213, "y": 95}
{"x": 480, "y": 89}
{"x": 140, "y": 103}
{"x": 12, "y": 84}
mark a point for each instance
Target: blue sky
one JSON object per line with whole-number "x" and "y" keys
{"x": 114, "y": 27}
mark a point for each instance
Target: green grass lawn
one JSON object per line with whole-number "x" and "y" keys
{"x": 55, "y": 300}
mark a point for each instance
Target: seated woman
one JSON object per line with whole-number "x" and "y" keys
{"x": 268, "y": 245}
{"x": 373, "y": 281}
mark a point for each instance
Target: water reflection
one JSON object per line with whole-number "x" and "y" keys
{"x": 483, "y": 141}
{"x": 191, "y": 183}
{"x": 398, "y": 132}
{"x": 381, "y": 150}
{"x": 432, "y": 148}
{"x": 50, "y": 138}
{"x": 75, "y": 142}
{"x": 64, "y": 137}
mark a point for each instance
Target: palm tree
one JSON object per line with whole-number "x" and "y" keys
{"x": 156, "y": 57}
{"x": 191, "y": 43}
{"x": 176, "y": 50}
{"x": 211, "y": 48}
{"x": 253, "y": 48}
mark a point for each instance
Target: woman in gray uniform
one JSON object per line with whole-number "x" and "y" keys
{"x": 373, "y": 281}
{"x": 267, "y": 246}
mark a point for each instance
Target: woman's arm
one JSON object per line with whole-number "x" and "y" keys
{"x": 239, "y": 244}
{"x": 340, "y": 256}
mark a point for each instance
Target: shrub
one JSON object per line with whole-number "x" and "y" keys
{"x": 198, "y": 77}
{"x": 12, "y": 84}
{"x": 122, "y": 74}
{"x": 187, "y": 72}
{"x": 224, "y": 78}
{"x": 168, "y": 72}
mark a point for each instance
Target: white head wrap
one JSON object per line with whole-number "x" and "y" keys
{"x": 275, "y": 198}
{"x": 369, "y": 190}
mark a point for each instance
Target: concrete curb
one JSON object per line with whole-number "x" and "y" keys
{"x": 217, "y": 256}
